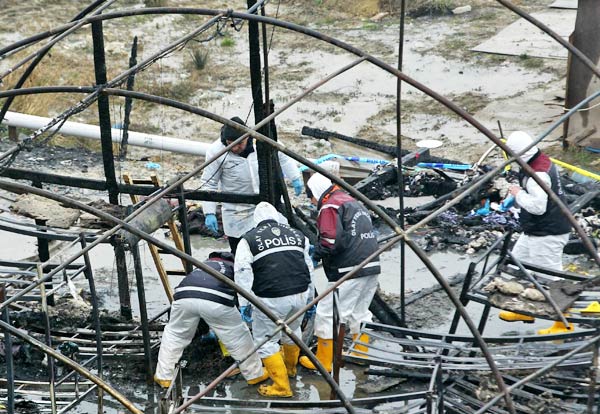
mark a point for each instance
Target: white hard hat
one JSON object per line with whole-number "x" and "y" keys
{"x": 518, "y": 141}
{"x": 318, "y": 184}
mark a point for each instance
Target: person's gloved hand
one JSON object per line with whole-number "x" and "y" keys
{"x": 210, "y": 221}
{"x": 246, "y": 312}
{"x": 298, "y": 186}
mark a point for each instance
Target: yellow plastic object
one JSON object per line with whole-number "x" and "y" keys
{"x": 290, "y": 354}
{"x": 324, "y": 355}
{"x": 556, "y": 328}
{"x": 163, "y": 383}
{"x": 509, "y": 316}
{"x": 278, "y": 373}
{"x": 593, "y": 307}
{"x": 224, "y": 350}
{"x": 364, "y": 338}
{"x": 258, "y": 380}
{"x": 578, "y": 170}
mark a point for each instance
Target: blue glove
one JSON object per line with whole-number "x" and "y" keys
{"x": 485, "y": 210}
{"x": 507, "y": 203}
{"x": 246, "y": 312}
{"x": 298, "y": 186}
{"x": 210, "y": 221}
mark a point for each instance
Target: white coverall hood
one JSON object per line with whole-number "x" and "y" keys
{"x": 518, "y": 141}
{"x": 318, "y": 184}
{"x": 265, "y": 211}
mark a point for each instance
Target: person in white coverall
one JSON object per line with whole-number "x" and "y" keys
{"x": 273, "y": 261}
{"x": 201, "y": 295}
{"x": 346, "y": 238}
{"x": 236, "y": 171}
{"x": 545, "y": 228}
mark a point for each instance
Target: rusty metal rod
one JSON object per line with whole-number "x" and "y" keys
{"x": 48, "y": 336}
{"x": 96, "y": 317}
{"x": 8, "y": 357}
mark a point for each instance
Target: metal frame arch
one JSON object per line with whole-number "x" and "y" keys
{"x": 350, "y": 189}
{"x": 312, "y": 33}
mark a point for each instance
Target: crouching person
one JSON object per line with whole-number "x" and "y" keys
{"x": 273, "y": 261}
{"x": 201, "y": 295}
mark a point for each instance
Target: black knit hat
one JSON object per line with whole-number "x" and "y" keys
{"x": 229, "y": 133}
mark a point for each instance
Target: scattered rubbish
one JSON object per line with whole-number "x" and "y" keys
{"x": 152, "y": 166}
{"x": 429, "y": 143}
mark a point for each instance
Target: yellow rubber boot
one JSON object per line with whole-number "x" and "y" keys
{"x": 509, "y": 316}
{"x": 162, "y": 382}
{"x": 258, "y": 380}
{"x": 278, "y": 373}
{"x": 364, "y": 338}
{"x": 324, "y": 355}
{"x": 290, "y": 357}
{"x": 557, "y": 328}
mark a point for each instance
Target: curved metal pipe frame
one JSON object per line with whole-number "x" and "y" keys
{"x": 252, "y": 299}
{"x": 540, "y": 372}
{"x": 72, "y": 364}
{"x": 39, "y": 55}
{"x": 350, "y": 189}
{"x": 402, "y": 77}
{"x": 245, "y": 16}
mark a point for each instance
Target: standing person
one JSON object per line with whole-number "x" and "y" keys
{"x": 545, "y": 228}
{"x": 273, "y": 260}
{"x": 346, "y": 238}
{"x": 236, "y": 171}
{"x": 200, "y": 295}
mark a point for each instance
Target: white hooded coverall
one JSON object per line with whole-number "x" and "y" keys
{"x": 544, "y": 251}
{"x": 283, "y": 307}
{"x": 225, "y": 321}
{"x": 234, "y": 174}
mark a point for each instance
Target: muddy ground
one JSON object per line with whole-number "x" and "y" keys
{"x": 214, "y": 75}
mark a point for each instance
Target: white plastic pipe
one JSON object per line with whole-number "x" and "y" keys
{"x": 139, "y": 139}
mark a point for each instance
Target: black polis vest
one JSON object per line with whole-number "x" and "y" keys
{"x": 279, "y": 267}
{"x": 201, "y": 285}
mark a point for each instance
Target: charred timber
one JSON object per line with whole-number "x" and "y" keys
{"x": 100, "y": 185}
{"x": 326, "y": 135}
{"x": 372, "y": 185}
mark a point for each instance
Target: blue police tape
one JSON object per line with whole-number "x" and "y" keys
{"x": 347, "y": 158}
{"x": 444, "y": 166}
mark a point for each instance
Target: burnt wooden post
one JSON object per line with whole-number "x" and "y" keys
{"x": 185, "y": 228}
{"x": 109, "y": 163}
{"x": 264, "y": 152}
{"x": 139, "y": 277}
{"x": 128, "y": 101}
{"x": 44, "y": 256}
{"x": 12, "y": 134}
